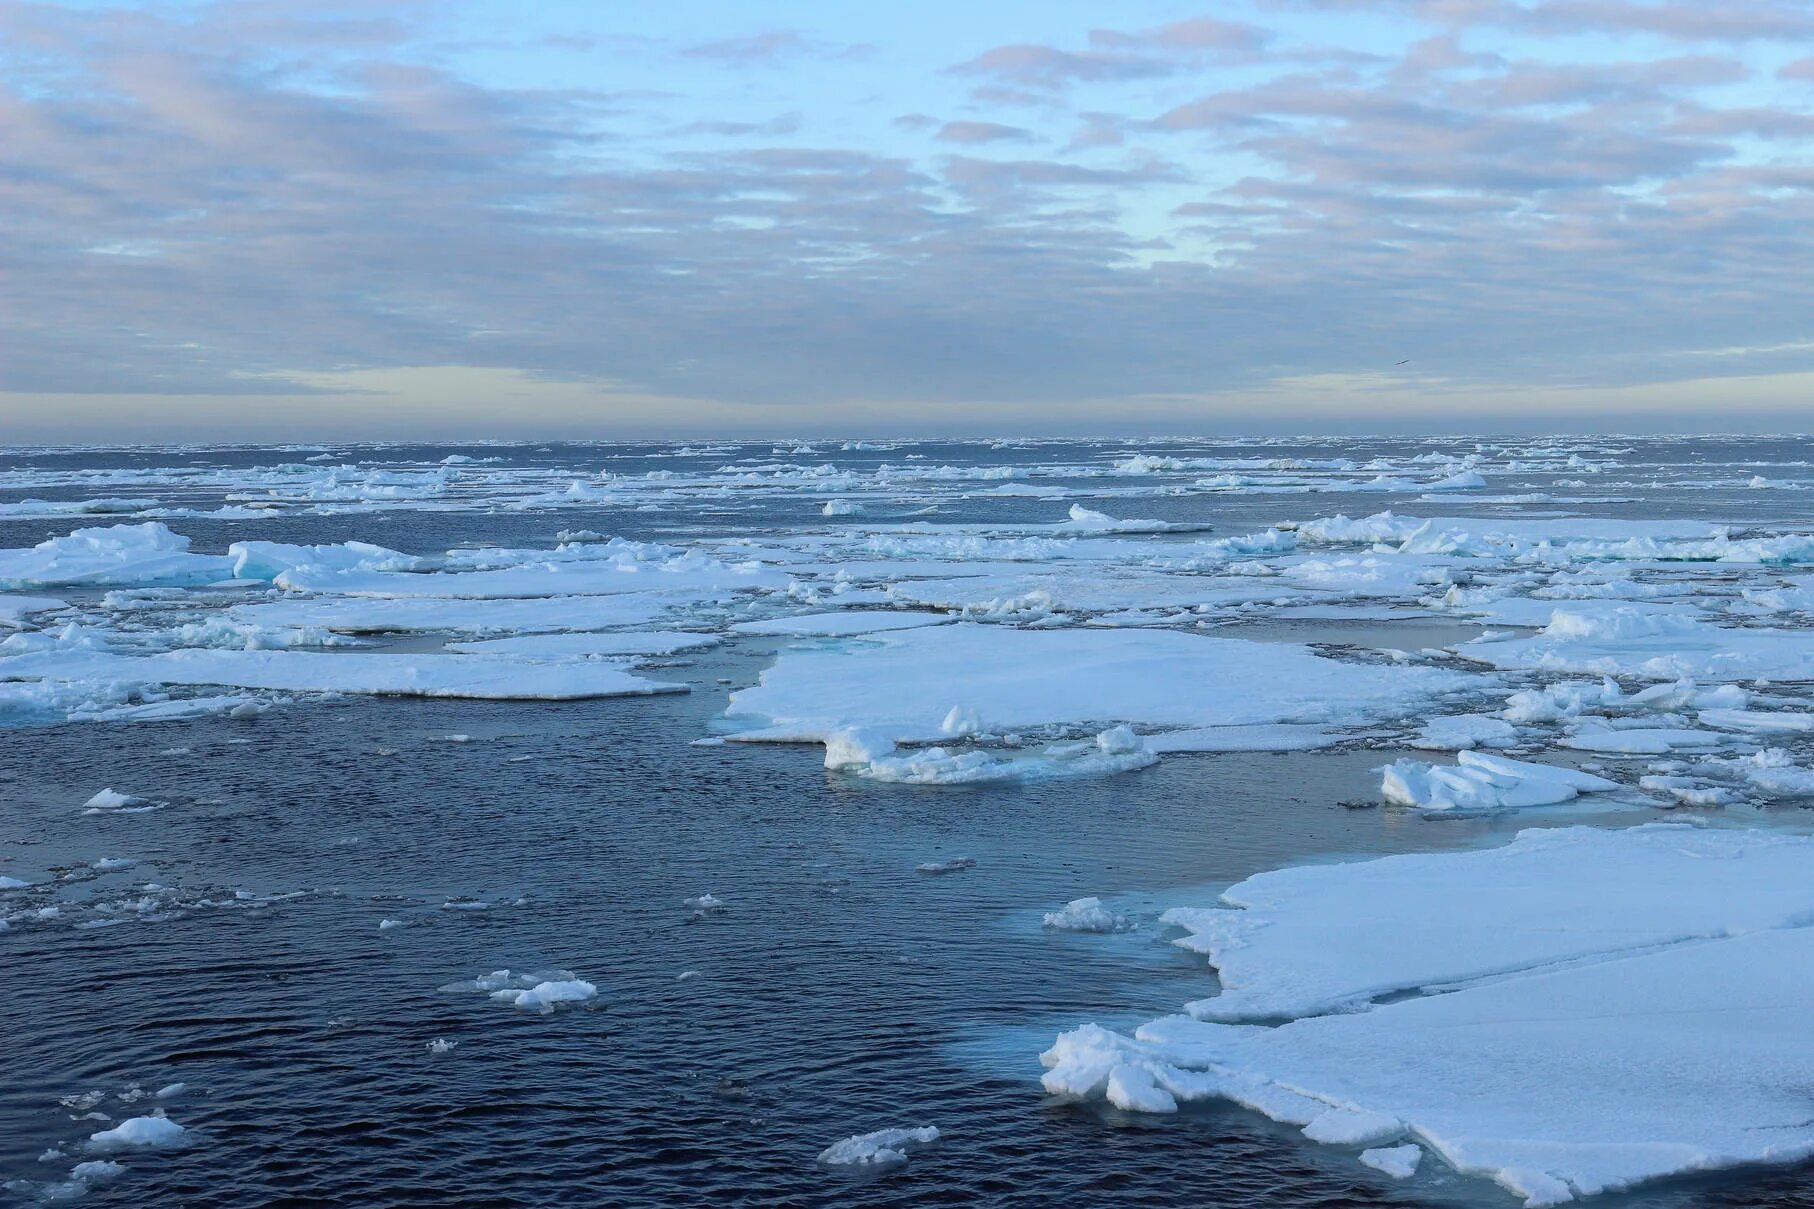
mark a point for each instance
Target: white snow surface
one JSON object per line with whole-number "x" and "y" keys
{"x": 842, "y": 622}
{"x": 1621, "y": 1006}
{"x": 137, "y": 1133}
{"x": 489, "y": 677}
{"x": 907, "y": 684}
{"x": 1480, "y": 782}
{"x": 148, "y": 553}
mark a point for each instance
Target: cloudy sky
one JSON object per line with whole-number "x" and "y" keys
{"x": 267, "y": 218}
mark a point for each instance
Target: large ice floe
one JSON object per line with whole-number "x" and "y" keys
{"x": 968, "y": 680}
{"x": 498, "y": 677}
{"x": 1578, "y": 1011}
{"x": 118, "y": 554}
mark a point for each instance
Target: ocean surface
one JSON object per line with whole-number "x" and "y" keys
{"x": 837, "y": 989}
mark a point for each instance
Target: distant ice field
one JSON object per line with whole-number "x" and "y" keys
{"x": 642, "y": 823}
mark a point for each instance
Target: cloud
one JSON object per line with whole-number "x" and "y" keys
{"x": 973, "y": 133}
{"x": 772, "y": 48}
{"x": 250, "y": 207}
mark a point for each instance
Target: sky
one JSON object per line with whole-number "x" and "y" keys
{"x": 271, "y": 219}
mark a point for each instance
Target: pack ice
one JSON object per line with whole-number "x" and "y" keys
{"x": 1587, "y": 1009}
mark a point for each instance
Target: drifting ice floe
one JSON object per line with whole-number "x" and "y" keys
{"x": 541, "y": 992}
{"x": 1086, "y": 915}
{"x": 490, "y": 677}
{"x": 14, "y": 610}
{"x": 834, "y": 625}
{"x": 137, "y": 1133}
{"x": 118, "y": 554}
{"x": 1478, "y": 782}
{"x": 879, "y": 1149}
{"x": 1625, "y": 641}
{"x": 1622, "y": 1005}
{"x": 1012, "y": 679}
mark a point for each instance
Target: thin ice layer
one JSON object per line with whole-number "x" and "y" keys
{"x": 488, "y": 677}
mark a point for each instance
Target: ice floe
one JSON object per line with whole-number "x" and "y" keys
{"x": 882, "y": 1148}
{"x": 1618, "y": 1006}
{"x": 1015, "y": 679}
{"x": 1478, "y": 782}
{"x": 541, "y": 992}
{"x": 1086, "y": 915}
{"x": 492, "y": 677}
{"x": 138, "y": 1133}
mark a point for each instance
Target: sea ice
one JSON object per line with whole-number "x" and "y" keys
{"x": 832, "y": 625}
{"x": 1115, "y": 750}
{"x": 118, "y": 554}
{"x": 1620, "y": 1006}
{"x": 15, "y": 610}
{"x": 879, "y": 1149}
{"x": 1479, "y": 782}
{"x": 588, "y": 645}
{"x": 137, "y": 1133}
{"x": 1460, "y": 732}
{"x": 1399, "y": 1162}
{"x": 1625, "y": 641}
{"x": 905, "y": 685}
{"x": 541, "y": 992}
{"x": 1086, "y": 915}
{"x": 489, "y": 677}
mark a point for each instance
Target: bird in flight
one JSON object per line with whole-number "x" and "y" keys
{"x": 1406, "y": 361}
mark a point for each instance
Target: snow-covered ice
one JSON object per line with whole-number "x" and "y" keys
{"x": 137, "y": 1133}
{"x": 1015, "y": 679}
{"x": 1619, "y": 1006}
{"x": 881, "y": 1148}
{"x": 1478, "y": 782}
{"x": 1086, "y": 915}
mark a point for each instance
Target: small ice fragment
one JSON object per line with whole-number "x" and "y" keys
{"x": 110, "y": 799}
{"x": 12, "y": 883}
{"x": 856, "y": 747}
{"x": 881, "y": 1148}
{"x": 95, "y": 1170}
{"x": 1399, "y": 1162}
{"x": 706, "y": 902}
{"x": 137, "y": 1133}
{"x": 109, "y": 864}
{"x": 440, "y": 1045}
{"x": 1086, "y": 915}
{"x": 686, "y": 976}
{"x": 1133, "y": 1089}
{"x": 170, "y": 1089}
{"x": 544, "y": 997}
{"x": 962, "y": 720}
{"x": 950, "y": 866}
{"x": 385, "y": 925}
